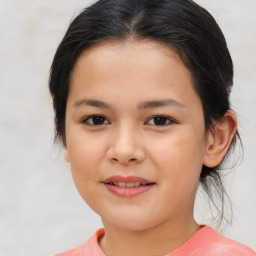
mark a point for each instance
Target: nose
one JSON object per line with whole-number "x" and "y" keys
{"x": 126, "y": 146}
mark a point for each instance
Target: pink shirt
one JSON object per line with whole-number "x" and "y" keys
{"x": 206, "y": 242}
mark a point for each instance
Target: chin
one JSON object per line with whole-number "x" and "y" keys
{"x": 130, "y": 223}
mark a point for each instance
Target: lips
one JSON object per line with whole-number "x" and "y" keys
{"x": 127, "y": 186}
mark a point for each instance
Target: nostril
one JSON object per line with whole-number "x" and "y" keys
{"x": 131, "y": 160}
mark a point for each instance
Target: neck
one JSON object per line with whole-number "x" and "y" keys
{"x": 156, "y": 241}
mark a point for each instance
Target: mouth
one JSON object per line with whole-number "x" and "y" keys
{"x": 127, "y": 186}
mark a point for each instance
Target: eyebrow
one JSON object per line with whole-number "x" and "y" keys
{"x": 143, "y": 105}
{"x": 92, "y": 102}
{"x": 160, "y": 103}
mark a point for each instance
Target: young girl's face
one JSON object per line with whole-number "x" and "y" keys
{"x": 135, "y": 134}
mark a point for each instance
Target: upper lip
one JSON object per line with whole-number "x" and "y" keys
{"x": 126, "y": 179}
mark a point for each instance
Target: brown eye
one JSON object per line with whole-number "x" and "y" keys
{"x": 160, "y": 121}
{"x": 96, "y": 120}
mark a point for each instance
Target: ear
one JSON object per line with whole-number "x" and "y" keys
{"x": 66, "y": 154}
{"x": 219, "y": 139}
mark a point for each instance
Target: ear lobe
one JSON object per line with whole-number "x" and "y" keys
{"x": 219, "y": 139}
{"x": 66, "y": 154}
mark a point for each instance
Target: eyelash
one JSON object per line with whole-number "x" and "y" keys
{"x": 85, "y": 121}
{"x": 161, "y": 118}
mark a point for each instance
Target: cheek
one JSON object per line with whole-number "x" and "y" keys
{"x": 83, "y": 148}
{"x": 179, "y": 155}
{"x": 84, "y": 155}
{"x": 84, "y": 170}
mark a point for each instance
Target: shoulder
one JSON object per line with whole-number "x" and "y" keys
{"x": 208, "y": 241}
{"x": 89, "y": 248}
{"x": 221, "y": 244}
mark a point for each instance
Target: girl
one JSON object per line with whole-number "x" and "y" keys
{"x": 141, "y": 97}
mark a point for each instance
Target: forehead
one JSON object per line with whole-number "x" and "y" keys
{"x": 132, "y": 45}
{"x": 143, "y": 54}
{"x": 140, "y": 51}
{"x": 134, "y": 67}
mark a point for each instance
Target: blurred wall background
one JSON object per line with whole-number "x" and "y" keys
{"x": 41, "y": 212}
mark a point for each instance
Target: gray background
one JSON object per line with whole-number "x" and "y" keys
{"x": 41, "y": 212}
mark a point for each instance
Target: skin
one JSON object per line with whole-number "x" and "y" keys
{"x": 114, "y": 80}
